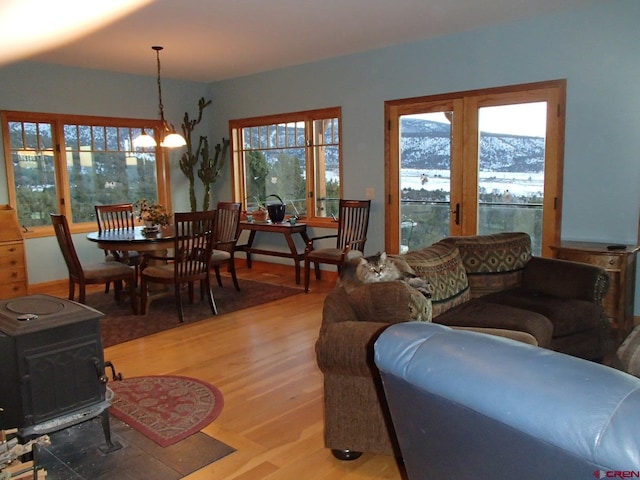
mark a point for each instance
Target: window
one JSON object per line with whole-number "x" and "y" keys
{"x": 296, "y": 156}
{"x": 97, "y": 165}
{"x": 475, "y": 163}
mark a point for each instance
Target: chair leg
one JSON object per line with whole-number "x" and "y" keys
{"x": 190, "y": 290}
{"x": 72, "y": 289}
{"x": 212, "y": 301}
{"x": 316, "y": 267}
{"x": 117, "y": 286}
{"x": 232, "y": 270}
{"x": 216, "y": 269}
{"x": 143, "y": 296}
{"x": 106, "y": 287}
{"x": 83, "y": 294}
{"x": 179, "y": 303}
{"x": 132, "y": 297}
{"x": 307, "y": 273}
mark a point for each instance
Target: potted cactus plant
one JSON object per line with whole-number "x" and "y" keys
{"x": 274, "y": 210}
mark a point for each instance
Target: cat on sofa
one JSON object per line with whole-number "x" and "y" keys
{"x": 380, "y": 268}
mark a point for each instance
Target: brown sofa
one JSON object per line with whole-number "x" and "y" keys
{"x": 487, "y": 283}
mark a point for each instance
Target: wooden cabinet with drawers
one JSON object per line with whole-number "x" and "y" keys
{"x": 621, "y": 266}
{"x": 13, "y": 264}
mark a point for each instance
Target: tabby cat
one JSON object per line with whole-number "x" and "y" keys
{"x": 380, "y": 268}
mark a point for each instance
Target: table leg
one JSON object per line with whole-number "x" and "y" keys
{"x": 252, "y": 235}
{"x": 294, "y": 255}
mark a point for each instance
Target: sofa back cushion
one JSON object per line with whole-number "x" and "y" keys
{"x": 493, "y": 262}
{"x": 389, "y": 302}
{"x": 441, "y": 265}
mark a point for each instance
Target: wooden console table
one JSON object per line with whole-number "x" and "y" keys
{"x": 285, "y": 229}
{"x": 621, "y": 267}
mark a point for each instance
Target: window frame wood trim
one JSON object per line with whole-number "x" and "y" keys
{"x": 238, "y": 180}
{"x": 553, "y": 91}
{"x": 57, "y": 122}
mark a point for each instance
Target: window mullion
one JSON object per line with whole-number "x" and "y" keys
{"x": 311, "y": 200}
{"x": 60, "y": 165}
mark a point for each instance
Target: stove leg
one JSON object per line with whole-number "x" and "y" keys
{"x": 106, "y": 427}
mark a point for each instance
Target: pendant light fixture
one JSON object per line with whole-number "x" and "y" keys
{"x": 170, "y": 138}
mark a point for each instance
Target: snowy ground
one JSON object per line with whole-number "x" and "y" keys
{"x": 492, "y": 182}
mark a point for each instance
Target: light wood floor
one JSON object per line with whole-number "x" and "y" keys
{"x": 263, "y": 361}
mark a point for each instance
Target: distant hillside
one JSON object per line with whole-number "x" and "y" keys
{"x": 425, "y": 145}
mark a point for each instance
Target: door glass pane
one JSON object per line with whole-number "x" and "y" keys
{"x": 425, "y": 179}
{"x": 511, "y": 170}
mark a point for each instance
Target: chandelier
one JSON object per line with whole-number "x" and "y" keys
{"x": 170, "y": 138}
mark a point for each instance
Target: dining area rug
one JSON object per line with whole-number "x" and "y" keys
{"x": 120, "y": 325}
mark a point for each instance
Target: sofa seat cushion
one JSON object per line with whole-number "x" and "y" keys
{"x": 480, "y": 313}
{"x": 568, "y": 316}
{"x": 442, "y": 267}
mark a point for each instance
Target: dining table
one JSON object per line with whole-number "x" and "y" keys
{"x": 137, "y": 239}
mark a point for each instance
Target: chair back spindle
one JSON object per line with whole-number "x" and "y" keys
{"x": 63, "y": 234}
{"x": 353, "y": 223}
{"x": 115, "y": 217}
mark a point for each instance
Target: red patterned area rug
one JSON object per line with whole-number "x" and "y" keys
{"x": 165, "y": 408}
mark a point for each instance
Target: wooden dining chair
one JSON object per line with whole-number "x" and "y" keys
{"x": 189, "y": 263}
{"x": 118, "y": 216}
{"x": 353, "y": 223}
{"x": 93, "y": 273}
{"x": 225, "y": 238}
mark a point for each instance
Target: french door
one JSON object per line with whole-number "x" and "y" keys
{"x": 476, "y": 162}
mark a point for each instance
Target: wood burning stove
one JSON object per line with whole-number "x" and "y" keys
{"x": 51, "y": 366}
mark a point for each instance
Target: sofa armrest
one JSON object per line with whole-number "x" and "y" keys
{"x": 565, "y": 279}
{"x": 346, "y": 348}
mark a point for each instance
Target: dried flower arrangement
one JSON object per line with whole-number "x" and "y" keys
{"x": 153, "y": 214}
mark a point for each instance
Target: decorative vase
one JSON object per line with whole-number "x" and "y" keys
{"x": 276, "y": 212}
{"x": 150, "y": 227}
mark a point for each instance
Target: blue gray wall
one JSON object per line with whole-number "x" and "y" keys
{"x": 594, "y": 48}
{"x": 56, "y": 89}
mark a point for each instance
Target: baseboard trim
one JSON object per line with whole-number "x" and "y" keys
{"x": 48, "y": 287}
{"x": 63, "y": 284}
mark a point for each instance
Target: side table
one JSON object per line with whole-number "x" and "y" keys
{"x": 285, "y": 229}
{"x": 620, "y": 264}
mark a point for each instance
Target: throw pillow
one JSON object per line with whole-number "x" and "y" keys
{"x": 441, "y": 266}
{"x": 493, "y": 262}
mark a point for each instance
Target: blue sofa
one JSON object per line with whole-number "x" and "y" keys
{"x": 467, "y": 405}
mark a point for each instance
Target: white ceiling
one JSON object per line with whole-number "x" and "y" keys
{"x": 208, "y": 40}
